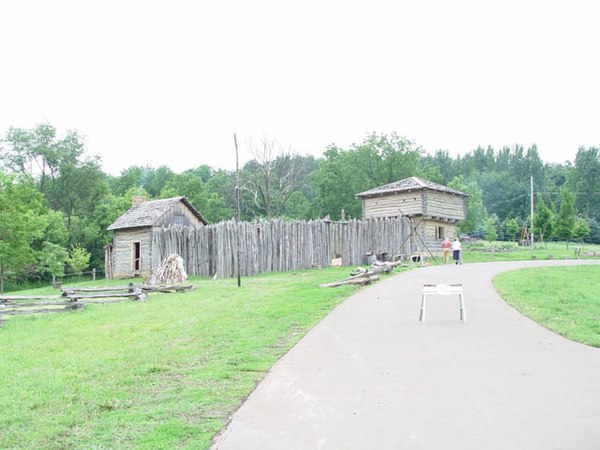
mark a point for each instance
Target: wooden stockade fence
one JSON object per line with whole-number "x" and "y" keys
{"x": 278, "y": 246}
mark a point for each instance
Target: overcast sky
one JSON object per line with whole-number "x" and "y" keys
{"x": 168, "y": 82}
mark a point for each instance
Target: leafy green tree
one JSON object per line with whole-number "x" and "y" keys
{"x": 557, "y": 176}
{"x": 155, "y": 180}
{"x": 69, "y": 180}
{"x": 594, "y": 236}
{"x": 298, "y": 207}
{"x": 378, "y": 160}
{"x": 543, "y": 220}
{"x": 188, "y": 184}
{"x": 440, "y": 168}
{"x": 78, "y": 259}
{"x": 21, "y": 223}
{"x": 479, "y": 160}
{"x": 565, "y": 220}
{"x": 511, "y": 228}
{"x": 431, "y": 173}
{"x": 474, "y": 204}
{"x": 581, "y": 229}
{"x": 56, "y": 231}
{"x": 193, "y": 186}
{"x": 38, "y": 152}
{"x": 490, "y": 233}
{"x": 52, "y": 258}
{"x": 335, "y": 186}
{"x": 50, "y": 248}
{"x": 221, "y": 186}
{"x": 89, "y": 235}
{"x": 130, "y": 178}
{"x": 504, "y": 178}
{"x": 585, "y": 181}
{"x": 111, "y": 208}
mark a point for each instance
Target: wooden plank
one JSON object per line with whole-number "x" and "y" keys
{"x": 6, "y": 298}
{"x": 16, "y": 312}
{"x": 72, "y": 290}
{"x": 108, "y": 301}
{"x": 137, "y": 293}
{"x": 171, "y": 288}
{"x": 361, "y": 280}
{"x": 11, "y": 304}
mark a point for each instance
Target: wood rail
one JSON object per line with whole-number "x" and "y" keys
{"x": 71, "y": 299}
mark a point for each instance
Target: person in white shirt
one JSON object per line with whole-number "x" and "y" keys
{"x": 456, "y": 251}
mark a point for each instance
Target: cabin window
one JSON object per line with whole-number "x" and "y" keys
{"x": 440, "y": 233}
{"x": 137, "y": 257}
{"x": 178, "y": 219}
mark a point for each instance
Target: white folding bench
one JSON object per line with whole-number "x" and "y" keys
{"x": 443, "y": 289}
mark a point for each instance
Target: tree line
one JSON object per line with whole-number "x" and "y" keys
{"x": 56, "y": 202}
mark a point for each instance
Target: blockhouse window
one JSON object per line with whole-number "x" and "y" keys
{"x": 440, "y": 233}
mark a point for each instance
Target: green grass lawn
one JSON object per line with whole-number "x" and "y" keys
{"x": 507, "y": 251}
{"x": 565, "y": 300}
{"x": 162, "y": 374}
{"x": 167, "y": 373}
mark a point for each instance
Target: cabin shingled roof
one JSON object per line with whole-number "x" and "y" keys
{"x": 409, "y": 184}
{"x": 146, "y": 214}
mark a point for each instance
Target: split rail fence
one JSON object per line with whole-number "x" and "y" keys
{"x": 71, "y": 298}
{"x": 278, "y": 246}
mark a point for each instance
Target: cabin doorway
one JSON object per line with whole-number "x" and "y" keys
{"x": 137, "y": 257}
{"x": 108, "y": 261}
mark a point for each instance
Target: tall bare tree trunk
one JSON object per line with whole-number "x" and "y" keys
{"x": 271, "y": 177}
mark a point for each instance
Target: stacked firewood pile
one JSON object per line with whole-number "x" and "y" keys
{"x": 362, "y": 276}
{"x": 171, "y": 271}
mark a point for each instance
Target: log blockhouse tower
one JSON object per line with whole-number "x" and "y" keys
{"x": 434, "y": 210}
{"x": 130, "y": 252}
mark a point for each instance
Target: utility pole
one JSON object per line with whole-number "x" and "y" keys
{"x": 237, "y": 199}
{"x": 531, "y": 194}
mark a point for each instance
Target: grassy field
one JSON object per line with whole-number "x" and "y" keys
{"x": 565, "y": 300}
{"x": 162, "y": 374}
{"x": 508, "y": 251}
{"x": 167, "y": 373}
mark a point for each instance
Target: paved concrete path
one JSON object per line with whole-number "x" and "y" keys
{"x": 370, "y": 376}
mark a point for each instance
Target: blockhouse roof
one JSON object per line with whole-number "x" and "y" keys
{"x": 409, "y": 184}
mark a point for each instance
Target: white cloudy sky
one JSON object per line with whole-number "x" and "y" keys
{"x": 168, "y": 82}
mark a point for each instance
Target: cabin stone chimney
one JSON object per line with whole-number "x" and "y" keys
{"x": 137, "y": 200}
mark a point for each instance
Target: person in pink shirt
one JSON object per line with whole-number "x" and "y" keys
{"x": 446, "y": 246}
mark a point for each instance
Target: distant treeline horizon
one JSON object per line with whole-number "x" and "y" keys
{"x": 53, "y": 178}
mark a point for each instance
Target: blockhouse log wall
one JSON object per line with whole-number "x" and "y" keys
{"x": 393, "y": 205}
{"x": 441, "y": 204}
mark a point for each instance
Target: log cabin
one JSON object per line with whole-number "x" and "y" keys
{"x": 129, "y": 253}
{"x": 433, "y": 209}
